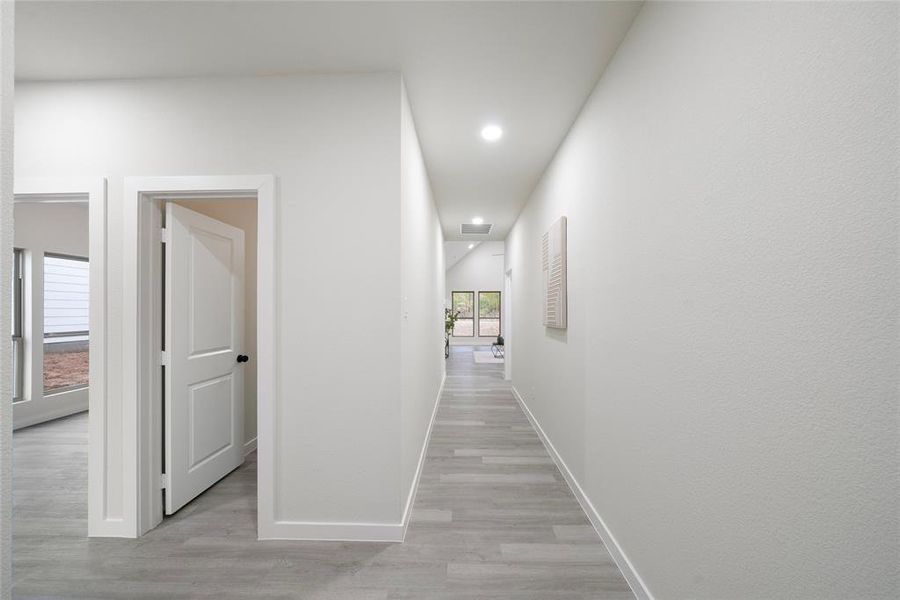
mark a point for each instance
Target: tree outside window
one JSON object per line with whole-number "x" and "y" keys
{"x": 488, "y": 314}
{"x": 463, "y": 304}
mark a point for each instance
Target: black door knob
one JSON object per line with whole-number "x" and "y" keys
{"x": 242, "y": 358}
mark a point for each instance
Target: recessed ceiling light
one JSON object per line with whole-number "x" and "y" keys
{"x": 471, "y": 246}
{"x": 491, "y": 133}
{"x": 477, "y": 220}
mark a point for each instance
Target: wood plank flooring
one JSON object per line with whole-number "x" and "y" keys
{"x": 493, "y": 519}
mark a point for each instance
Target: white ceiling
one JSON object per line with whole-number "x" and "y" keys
{"x": 528, "y": 66}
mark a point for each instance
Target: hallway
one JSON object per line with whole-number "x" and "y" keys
{"x": 493, "y": 519}
{"x": 307, "y": 224}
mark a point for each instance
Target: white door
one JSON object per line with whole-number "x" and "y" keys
{"x": 204, "y": 337}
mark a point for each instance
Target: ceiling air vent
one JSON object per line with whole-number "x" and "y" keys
{"x": 472, "y": 229}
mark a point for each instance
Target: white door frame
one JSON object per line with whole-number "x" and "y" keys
{"x": 142, "y": 408}
{"x": 93, "y": 191}
{"x": 507, "y": 331}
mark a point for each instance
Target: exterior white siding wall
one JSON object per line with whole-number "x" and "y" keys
{"x": 66, "y": 297}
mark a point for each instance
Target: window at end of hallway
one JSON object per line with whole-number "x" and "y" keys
{"x": 488, "y": 314}
{"x": 463, "y": 303}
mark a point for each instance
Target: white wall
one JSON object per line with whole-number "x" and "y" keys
{"x": 726, "y": 391}
{"x": 241, "y": 213}
{"x": 479, "y": 270}
{"x": 333, "y": 142}
{"x": 53, "y": 227}
{"x": 422, "y": 307}
{"x": 7, "y": 100}
{"x": 42, "y": 227}
{"x": 454, "y": 252}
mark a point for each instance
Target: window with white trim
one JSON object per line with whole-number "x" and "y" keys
{"x": 18, "y": 324}
{"x": 66, "y": 318}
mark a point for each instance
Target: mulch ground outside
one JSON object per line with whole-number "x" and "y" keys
{"x": 65, "y": 369}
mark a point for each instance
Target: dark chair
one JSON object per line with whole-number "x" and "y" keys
{"x": 497, "y": 347}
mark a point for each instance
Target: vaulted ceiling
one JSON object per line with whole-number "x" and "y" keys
{"x": 527, "y": 66}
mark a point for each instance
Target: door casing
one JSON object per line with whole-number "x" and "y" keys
{"x": 508, "y": 331}
{"x": 142, "y": 327}
{"x": 92, "y": 190}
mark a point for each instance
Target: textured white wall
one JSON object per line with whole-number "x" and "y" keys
{"x": 52, "y": 227}
{"x": 7, "y": 71}
{"x": 726, "y": 392}
{"x": 421, "y": 300}
{"x": 333, "y": 142}
{"x": 479, "y": 270}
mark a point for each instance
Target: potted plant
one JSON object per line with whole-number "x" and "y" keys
{"x": 450, "y": 318}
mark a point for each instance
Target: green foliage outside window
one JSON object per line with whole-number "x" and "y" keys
{"x": 463, "y": 304}
{"x": 489, "y": 305}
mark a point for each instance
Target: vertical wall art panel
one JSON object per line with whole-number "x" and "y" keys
{"x": 553, "y": 254}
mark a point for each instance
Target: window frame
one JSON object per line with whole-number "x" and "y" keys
{"x": 18, "y": 325}
{"x": 50, "y": 336}
{"x": 471, "y": 294}
{"x": 499, "y": 312}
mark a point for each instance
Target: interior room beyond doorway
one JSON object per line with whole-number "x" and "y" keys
{"x": 474, "y": 287}
{"x": 51, "y": 309}
{"x": 208, "y": 399}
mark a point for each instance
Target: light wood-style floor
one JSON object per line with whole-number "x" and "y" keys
{"x": 493, "y": 519}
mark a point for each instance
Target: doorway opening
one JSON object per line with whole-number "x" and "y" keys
{"x": 208, "y": 292}
{"x": 50, "y": 344}
{"x": 51, "y": 309}
{"x": 58, "y": 333}
{"x": 186, "y": 351}
{"x": 476, "y": 299}
{"x": 508, "y": 327}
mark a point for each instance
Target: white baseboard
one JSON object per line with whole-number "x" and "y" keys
{"x": 411, "y": 498}
{"x": 355, "y": 532}
{"x": 249, "y": 446}
{"x": 333, "y": 532}
{"x": 110, "y": 528}
{"x": 625, "y": 566}
{"x": 48, "y": 415}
